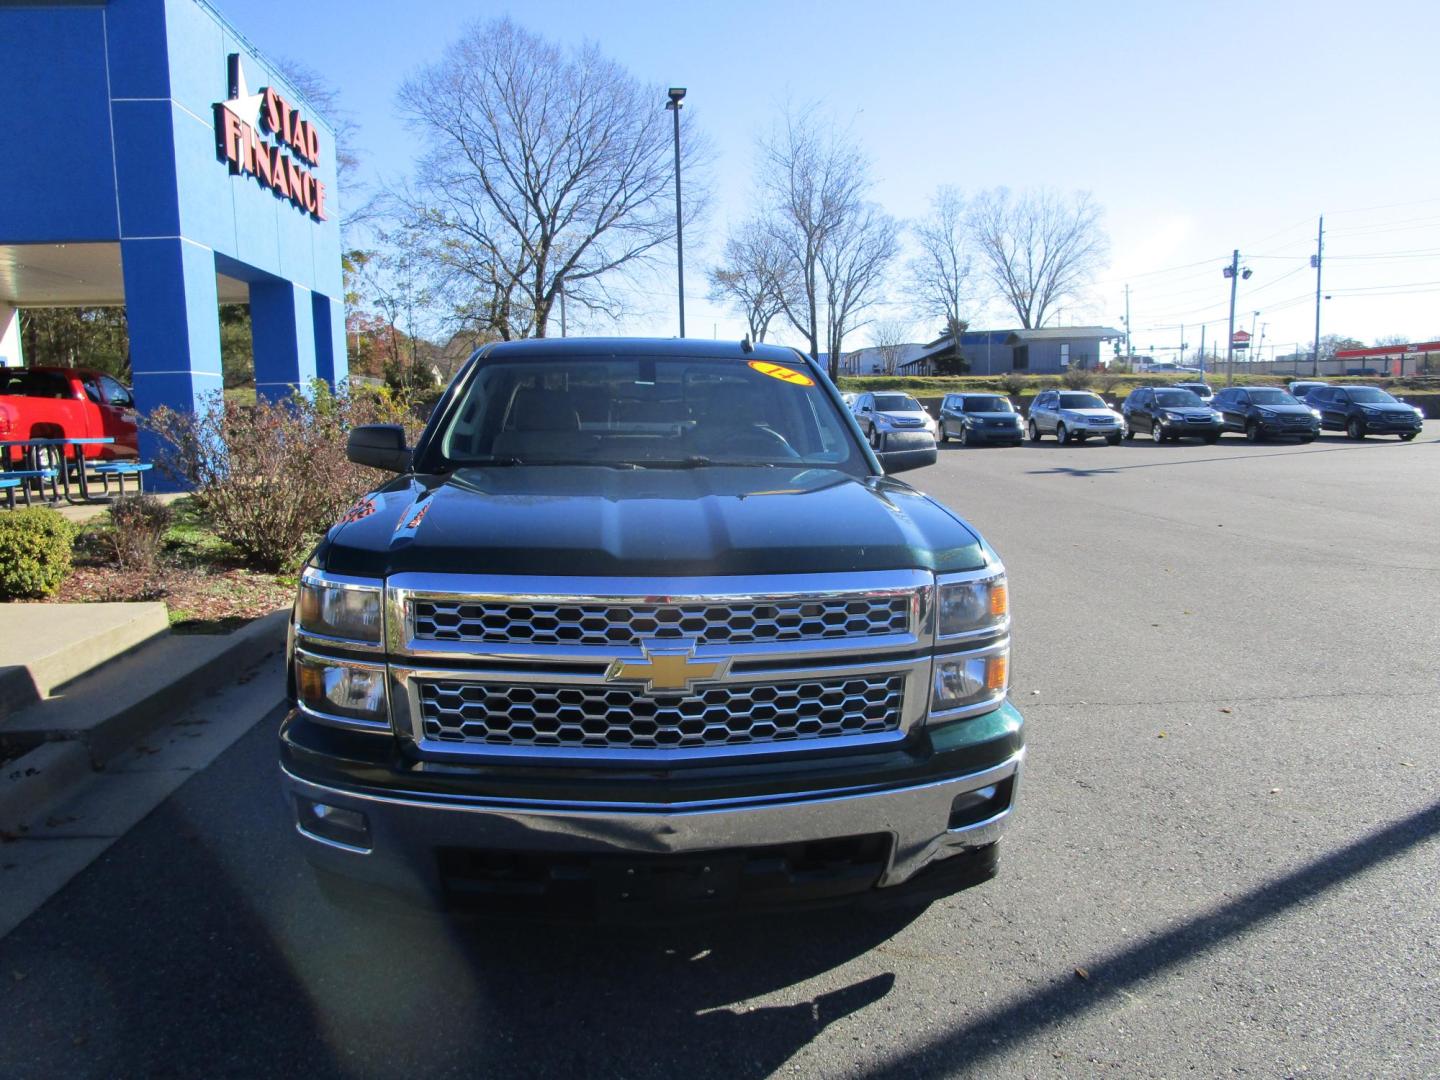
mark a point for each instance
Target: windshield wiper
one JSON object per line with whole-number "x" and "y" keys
{"x": 700, "y": 461}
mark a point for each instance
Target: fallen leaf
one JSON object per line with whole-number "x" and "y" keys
{"x": 1274, "y": 791}
{"x": 1161, "y": 735}
{"x": 1225, "y": 710}
{"x": 1408, "y": 764}
{"x": 1082, "y": 973}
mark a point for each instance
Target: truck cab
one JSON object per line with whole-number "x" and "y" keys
{"x": 67, "y": 403}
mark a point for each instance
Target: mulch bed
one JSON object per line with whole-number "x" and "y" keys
{"x": 202, "y": 600}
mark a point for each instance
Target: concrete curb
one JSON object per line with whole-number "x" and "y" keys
{"x": 36, "y": 777}
{"x": 244, "y": 649}
{"x": 65, "y": 754}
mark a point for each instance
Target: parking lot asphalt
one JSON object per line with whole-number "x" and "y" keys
{"x": 1226, "y": 861}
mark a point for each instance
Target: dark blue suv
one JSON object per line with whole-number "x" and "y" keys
{"x": 1364, "y": 410}
{"x": 1265, "y": 411}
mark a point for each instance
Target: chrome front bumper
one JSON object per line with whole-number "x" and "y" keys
{"x": 405, "y": 832}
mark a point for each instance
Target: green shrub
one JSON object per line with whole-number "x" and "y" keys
{"x": 35, "y": 549}
{"x": 137, "y": 533}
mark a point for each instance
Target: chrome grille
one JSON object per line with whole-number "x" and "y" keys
{"x": 506, "y": 622}
{"x": 615, "y": 717}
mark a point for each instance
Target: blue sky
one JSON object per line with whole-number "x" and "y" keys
{"x": 1199, "y": 128}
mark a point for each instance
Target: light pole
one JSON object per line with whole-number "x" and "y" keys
{"x": 1234, "y": 273}
{"x": 677, "y": 95}
{"x": 1316, "y": 260}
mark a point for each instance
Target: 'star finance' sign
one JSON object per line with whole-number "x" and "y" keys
{"x": 241, "y": 126}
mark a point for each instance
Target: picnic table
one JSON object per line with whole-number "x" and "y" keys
{"x": 33, "y": 449}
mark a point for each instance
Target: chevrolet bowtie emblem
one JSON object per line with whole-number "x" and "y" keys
{"x": 665, "y": 669}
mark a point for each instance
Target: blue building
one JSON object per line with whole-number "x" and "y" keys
{"x": 1036, "y": 352}
{"x": 150, "y": 157}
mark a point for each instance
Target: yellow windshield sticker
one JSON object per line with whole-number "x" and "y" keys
{"x": 784, "y": 374}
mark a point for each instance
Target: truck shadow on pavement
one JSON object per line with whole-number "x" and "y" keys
{"x": 201, "y": 945}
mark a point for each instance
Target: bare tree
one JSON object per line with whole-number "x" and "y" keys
{"x": 753, "y": 276}
{"x": 889, "y": 338}
{"x": 810, "y": 180}
{"x": 1389, "y": 340}
{"x": 854, "y": 259}
{"x": 543, "y": 170}
{"x": 836, "y": 246}
{"x": 1039, "y": 248}
{"x": 941, "y": 270}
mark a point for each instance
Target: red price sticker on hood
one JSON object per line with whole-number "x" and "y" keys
{"x": 784, "y": 374}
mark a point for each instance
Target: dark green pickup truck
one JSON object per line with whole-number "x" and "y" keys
{"x": 643, "y": 626}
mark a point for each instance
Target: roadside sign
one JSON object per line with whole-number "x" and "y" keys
{"x": 1240, "y": 340}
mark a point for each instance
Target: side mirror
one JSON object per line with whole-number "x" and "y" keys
{"x": 381, "y": 446}
{"x": 905, "y": 450}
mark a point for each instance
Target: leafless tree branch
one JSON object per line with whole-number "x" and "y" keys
{"x": 543, "y": 170}
{"x": 1038, "y": 248}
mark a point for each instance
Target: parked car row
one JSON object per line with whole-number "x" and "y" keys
{"x": 1161, "y": 413}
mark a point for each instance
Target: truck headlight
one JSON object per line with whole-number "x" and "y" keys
{"x": 339, "y": 608}
{"x": 972, "y": 607}
{"x": 960, "y": 680}
{"x": 342, "y": 689}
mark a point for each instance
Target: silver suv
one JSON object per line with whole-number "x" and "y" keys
{"x": 1073, "y": 414}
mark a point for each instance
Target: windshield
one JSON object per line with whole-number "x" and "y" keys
{"x": 656, "y": 412}
{"x": 1081, "y": 401}
{"x": 1176, "y": 399}
{"x": 988, "y": 404}
{"x": 1369, "y": 395}
{"x": 896, "y": 403}
{"x": 1272, "y": 396}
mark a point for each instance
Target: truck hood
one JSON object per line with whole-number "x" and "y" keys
{"x": 589, "y": 520}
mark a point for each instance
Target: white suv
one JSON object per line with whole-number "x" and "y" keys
{"x": 1073, "y": 414}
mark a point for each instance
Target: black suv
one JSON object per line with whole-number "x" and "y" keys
{"x": 980, "y": 418}
{"x": 1364, "y": 410}
{"x": 1167, "y": 413}
{"x": 1263, "y": 411}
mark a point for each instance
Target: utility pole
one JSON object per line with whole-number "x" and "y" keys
{"x": 1202, "y": 349}
{"x": 1129, "y": 349}
{"x": 562, "y": 309}
{"x": 1180, "y": 360}
{"x": 1233, "y": 273}
{"x": 1315, "y": 262}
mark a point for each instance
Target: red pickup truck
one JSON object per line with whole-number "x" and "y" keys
{"x": 67, "y": 403}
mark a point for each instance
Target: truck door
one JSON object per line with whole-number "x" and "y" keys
{"x": 118, "y": 419}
